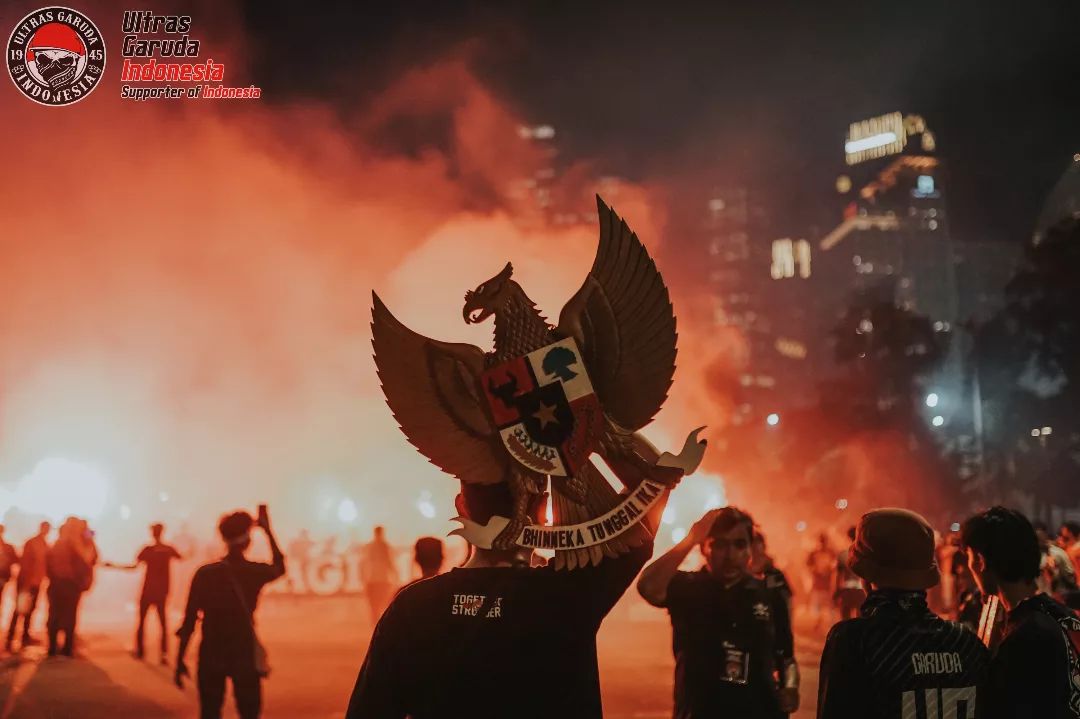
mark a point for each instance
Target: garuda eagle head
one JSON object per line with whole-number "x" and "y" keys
{"x": 489, "y": 296}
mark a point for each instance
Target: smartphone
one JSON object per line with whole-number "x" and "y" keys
{"x": 262, "y": 514}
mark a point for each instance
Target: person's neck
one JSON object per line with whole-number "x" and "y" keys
{"x": 493, "y": 558}
{"x": 1012, "y": 593}
{"x": 235, "y": 554}
{"x": 728, "y": 582}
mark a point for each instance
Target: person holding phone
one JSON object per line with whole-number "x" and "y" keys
{"x": 225, "y": 594}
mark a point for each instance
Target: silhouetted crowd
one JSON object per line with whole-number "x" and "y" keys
{"x": 979, "y": 624}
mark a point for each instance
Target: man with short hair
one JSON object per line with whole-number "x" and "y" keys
{"x": 428, "y": 555}
{"x": 475, "y": 641}
{"x": 897, "y": 659}
{"x": 731, "y": 635}
{"x": 225, "y": 593}
{"x": 378, "y": 574}
{"x": 1035, "y": 671}
{"x": 157, "y": 556}
{"x": 33, "y": 568}
{"x": 763, "y": 566}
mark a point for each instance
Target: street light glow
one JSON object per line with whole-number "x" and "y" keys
{"x": 869, "y": 143}
{"x": 773, "y": 419}
{"x": 932, "y": 399}
{"x": 938, "y": 420}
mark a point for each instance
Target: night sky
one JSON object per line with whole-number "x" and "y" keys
{"x": 756, "y": 93}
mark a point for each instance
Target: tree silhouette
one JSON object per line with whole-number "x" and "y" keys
{"x": 886, "y": 349}
{"x": 1028, "y": 360}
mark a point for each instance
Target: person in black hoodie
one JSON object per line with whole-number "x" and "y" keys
{"x": 1035, "y": 671}
{"x": 897, "y": 659}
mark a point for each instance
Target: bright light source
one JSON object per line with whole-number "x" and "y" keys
{"x": 678, "y": 534}
{"x": 841, "y": 503}
{"x": 869, "y": 143}
{"x": 715, "y": 501}
{"x": 932, "y": 399}
{"x": 424, "y": 505}
{"x": 800, "y": 526}
{"x": 773, "y": 419}
{"x": 668, "y": 517}
{"x": 1047, "y": 430}
{"x": 938, "y": 420}
{"x": 1035, "y": 433}
{"x": 954, "y": 527}
{"x": 347, "y": 511}
{"x": 58, "y": 488}
{"x": 125, "y": 511}
{"x": 163, "y": 496}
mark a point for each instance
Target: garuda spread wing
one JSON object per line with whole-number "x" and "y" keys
{"x": 623, "y": 321}
{"x": 433, "y": 392}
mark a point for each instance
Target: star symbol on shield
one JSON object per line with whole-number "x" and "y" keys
{"x": 546, "y": 415}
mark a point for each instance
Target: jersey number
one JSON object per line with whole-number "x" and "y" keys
{"x": 937, "y": 703}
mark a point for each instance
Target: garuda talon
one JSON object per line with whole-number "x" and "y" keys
{"x": 547, "y": 397}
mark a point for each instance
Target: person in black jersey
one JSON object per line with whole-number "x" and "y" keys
{"x": 848, "y": 592}
{"x": 898, "y": 660}
{"x": 764, "y": 568}
{"x": 1035, "y": 671}
{"x": 476, "y": 641}
{"x": 731, "y": 635}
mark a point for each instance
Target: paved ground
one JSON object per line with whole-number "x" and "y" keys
{"x": 316, "y": 646}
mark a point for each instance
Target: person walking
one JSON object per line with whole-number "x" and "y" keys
{"x": 33, "y": 569}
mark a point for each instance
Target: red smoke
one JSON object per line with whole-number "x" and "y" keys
{"x": 187, "y": 291}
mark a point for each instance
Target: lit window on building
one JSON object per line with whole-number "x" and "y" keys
{"x": 789, "y": 256}
{"x": 802, "y": 258}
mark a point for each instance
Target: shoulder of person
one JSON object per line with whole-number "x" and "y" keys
{"x": 846, "y": 632}
{"x": 755, "y": 585}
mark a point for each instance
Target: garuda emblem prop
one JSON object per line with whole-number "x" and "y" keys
{"x": 546, "y": 399}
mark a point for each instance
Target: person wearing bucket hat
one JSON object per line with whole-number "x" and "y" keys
{"x": 897, "y": 658}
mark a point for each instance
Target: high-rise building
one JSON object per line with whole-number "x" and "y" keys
{"x": 756, "y": 283}
{"x": 893, "y": 242}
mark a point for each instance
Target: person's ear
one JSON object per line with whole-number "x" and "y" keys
{"x": 976, "y": 561}
{"x": 459, "y": 505}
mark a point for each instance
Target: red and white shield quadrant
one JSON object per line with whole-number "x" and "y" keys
{"x": 544, "y": 405}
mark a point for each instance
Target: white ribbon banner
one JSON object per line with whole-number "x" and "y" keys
{"x": 628, "y": 512}
{"x": 607, "y": 526}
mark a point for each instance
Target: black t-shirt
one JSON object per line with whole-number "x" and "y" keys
{"x": 493, "y": 642}
{"x": 728, "y": 643}
{"x": 227, "y": 637}
{"x": 776, "y": 581}
{"x": 899, "y": 660}
{"x": 1036, "y": 671}
{"x": 157, "y": 557}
